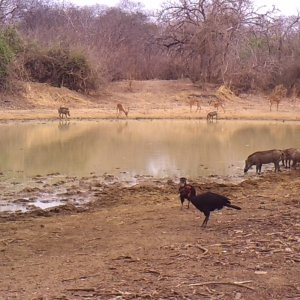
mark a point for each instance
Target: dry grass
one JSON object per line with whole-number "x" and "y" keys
{"x": 146, "y": 99}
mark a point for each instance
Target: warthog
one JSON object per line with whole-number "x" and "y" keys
{"x": 295, "y": 157}
{"x": 211, "y": 115}
{"x": 63, "y": 111}
{"x": 264, "y": 157}
{"x": 286, "y": 161}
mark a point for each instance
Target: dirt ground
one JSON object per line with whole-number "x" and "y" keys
{"x": 134, "y": 242}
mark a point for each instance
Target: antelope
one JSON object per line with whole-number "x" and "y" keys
{"x": 274, "y": 100}
{"x": 295, "y": 94}
{"x": 278, "y": 93}
{"x": 63, "y": 111}
{"x": 216, "y": 104}
{"x": 194, "y": 102}
{"x": 211, "y": 115}
{"x": 120, "y": 109}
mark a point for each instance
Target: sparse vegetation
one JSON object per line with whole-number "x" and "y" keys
{"x": 224, "y": 93}
{"x": 206, "y": 41}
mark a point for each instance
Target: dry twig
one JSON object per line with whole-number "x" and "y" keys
{"x": 240, "y": 284}
{"x": 205, "y": 250}
{"x": 81, "y": 289}
{"x": 81, "y": 277}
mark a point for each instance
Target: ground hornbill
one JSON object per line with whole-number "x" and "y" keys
{"x": 205, "y": 202}
{"x": 189, "y": 190}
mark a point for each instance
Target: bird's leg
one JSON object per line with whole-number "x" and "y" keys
{"x": 188, "y": 204}
{"x": 181, "y": 200}
{"x": 204, "y": 222}
{"x": 206, "y": 219}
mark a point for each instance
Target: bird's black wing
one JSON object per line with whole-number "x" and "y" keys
{"x": 209, "y": 201}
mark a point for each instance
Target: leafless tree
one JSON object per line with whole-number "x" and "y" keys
{"x": 205, "y": 40}
{"x": 220, "y": 40}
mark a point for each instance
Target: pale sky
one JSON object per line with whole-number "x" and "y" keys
{"x": 287, "y": 7}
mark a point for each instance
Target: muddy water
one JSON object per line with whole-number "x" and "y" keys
{"x": 132, "y": 148}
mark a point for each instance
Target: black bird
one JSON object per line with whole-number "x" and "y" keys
{"x": 189, "y": 190}
{"x": 206, "y": 202}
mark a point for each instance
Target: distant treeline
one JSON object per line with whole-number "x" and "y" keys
{"x": 208, "y": 41}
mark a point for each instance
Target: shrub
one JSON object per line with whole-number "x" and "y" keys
{"x": 13, "y": 39}
{"x": 10, "y": 45}
{"x": 61, "y": 67}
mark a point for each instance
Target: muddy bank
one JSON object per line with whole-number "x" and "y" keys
{"x": 135, "y": 242}
{"x": 55, "y": 193}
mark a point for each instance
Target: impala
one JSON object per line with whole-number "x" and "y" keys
{"x": 274, "y": 100}
{"x": 216, "y": 104}
{"x": 277, "y": 95}
{"x": 194, "y": 102}
{"x": 120, "y": 108}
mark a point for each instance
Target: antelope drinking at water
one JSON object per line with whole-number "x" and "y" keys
{"x": 120, "y": 109}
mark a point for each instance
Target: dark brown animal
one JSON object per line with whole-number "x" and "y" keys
{"x": 206, "y": 202}
{"x": 211, "y": 115}
{"x": 264, "y": 157}
{"x": 295, "y": 156}
{"x": 120, "y": 109}
{"x": 287, "y": 153}
{"x": 63, "y": 111}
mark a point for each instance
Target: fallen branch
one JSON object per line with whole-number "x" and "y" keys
{"x": 115, "y": 293}
{"x": 205, "y": 250}
{"x": 152, "y": 271}
{"x": 8, "y": 241}
{"x": 125, "y": 257}
{"x": 126, "y": 295}
{"x": 81, "y": 289}
{"x": 81, "y": 277}
{"x": 240, "y": 284}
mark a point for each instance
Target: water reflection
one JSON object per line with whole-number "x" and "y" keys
{"x": 64, "y": 124}
{"x": 156, "y": 148}
{"x": 122, "y": 125}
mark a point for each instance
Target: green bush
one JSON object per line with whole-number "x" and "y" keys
{"x": 10, "y": 45}
{"x": 13, "y": 39}
{"x": 61, "y": 67}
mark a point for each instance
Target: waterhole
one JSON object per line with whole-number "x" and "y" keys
{"x": 126, "y": 149}
{"x": 42, "y": 164}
